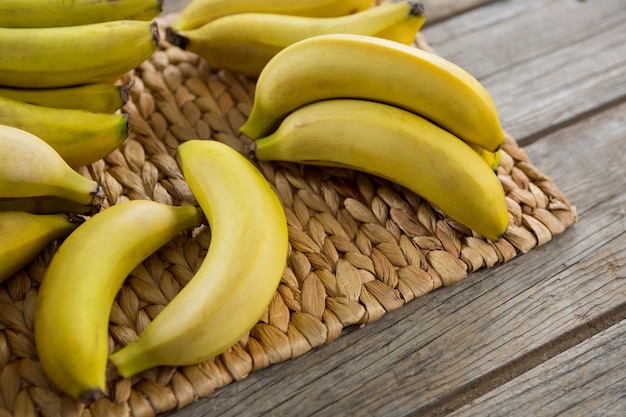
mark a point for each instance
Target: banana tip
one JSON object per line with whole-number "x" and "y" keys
{"x": 252, "y": 150}
{"x": 91, "y": 396}
{"x": 98, "y": 198}
{"x": 125, "y": 93}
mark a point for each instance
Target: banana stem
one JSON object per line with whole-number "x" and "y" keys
{"x": 417, "y": 9}
{"x": 176, "y": 39}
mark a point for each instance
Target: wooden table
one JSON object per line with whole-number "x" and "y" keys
{"x": 544, "y": 334}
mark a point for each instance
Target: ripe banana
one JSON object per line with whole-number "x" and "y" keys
{"x": 82, "y": 280}
{"x": 54, "y": 13}
{"x": 365, "y": 67}
{"x": 73, "y": 55}
{"x": 96, "y": 98}
{"x": 24, "y": 235}
{"x": 199, "y": 12}
{"x": 30, "y": 168}
{"x": 239, "y": 275}
{"x": 245, "y": 42}
{"x": 397, "y": 145}
{"x": 79, "y": 136}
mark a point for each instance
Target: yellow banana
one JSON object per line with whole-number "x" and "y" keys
{"x": 54, "y": 13}
{"x": 79, "y": 136}
{"x": 199, "y": 12}
{"x": 30, "y": 168}
{"x": 245, "y": 42}
{"x": 96, "y": 98}
{"x": 400, "y": 146}
{"x": 72, "y": 55}
{"x": 365, "y": 67}
{"x": 239, "y": 275}
{"x": 81, "y": 282}
{"x": 24, "y": 235}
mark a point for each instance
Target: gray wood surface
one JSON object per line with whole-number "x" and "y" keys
{"x": 520, "y": 332}
{"x": 567, "y": 385}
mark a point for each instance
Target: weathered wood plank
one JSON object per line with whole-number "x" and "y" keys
{"x": 544, "y": 62}
{"x": 588, "y": 380}
{"x": 174, "y": 6}
{"x": 442, "y": 9}
{"x": 444, "y": 342}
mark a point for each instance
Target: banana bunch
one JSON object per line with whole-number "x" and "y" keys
{"x": 389, "y": 109}
{"x": 59, "y": 62}
{"x": 246, "y": 38}
{"x": 221, "y": 303}
{"x": 59, "y": 110}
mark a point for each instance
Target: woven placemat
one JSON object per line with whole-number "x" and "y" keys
{"x": 360, "y": 246}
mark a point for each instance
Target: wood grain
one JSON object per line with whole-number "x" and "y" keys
{"x": 544, "y": 62}
{"x": 588, "y": 380}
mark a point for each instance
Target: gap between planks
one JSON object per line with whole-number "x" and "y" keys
{"x": 535, "y": 136}
{"x": 524, "y": 363}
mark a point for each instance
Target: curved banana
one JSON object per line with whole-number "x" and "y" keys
{"x": 96, "y": 97}
{"x": 239, "y": 275}
{"x": 72, "y": 55}
{"x": 199, "y": 12}
{"x": 55, "y": 13}
{"x": 80, "y": 137}
{"x": 31, "y": 168}
{"x": 24, "y": 235}
{"x": 81, "y": 282}
{"x": 397, "y": 145}
{"x": 365, "y": 67}
{"x": 246, "y": 42}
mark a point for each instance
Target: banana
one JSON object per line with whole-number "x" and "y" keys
{"x": 24, "y": 235}
{"x": 239, "y": 275}
{"x": 199, "y": 12}
{"x": 30, "y": 168}
{"x": 365, "y": 67}
{"x": 73, "y": 55}
{"x": 399, "y": 146}
{"x": 55, "y": 13}
{"x": 79, "y": 136}
{"x": 245, "y": 42}
{"x": 96, "y": 98}
{"x": 79, "y": 287}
